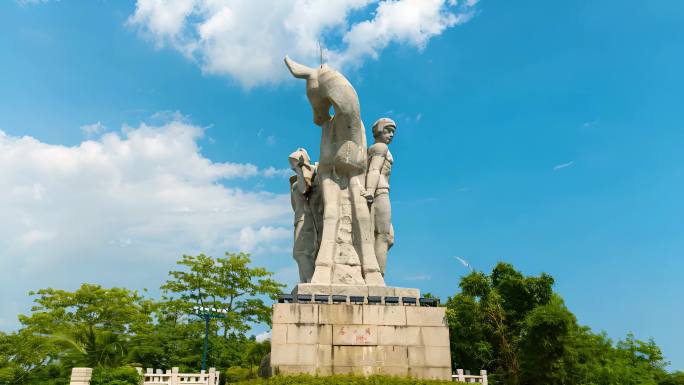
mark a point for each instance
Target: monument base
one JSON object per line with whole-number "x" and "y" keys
{"x": 355, "y": 290}
{"x": 327, "y": 339}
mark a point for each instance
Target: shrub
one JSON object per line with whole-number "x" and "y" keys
{"x": 115, "y": 376}
{"x": 236, "y": 374}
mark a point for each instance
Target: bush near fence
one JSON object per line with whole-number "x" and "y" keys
{"x": 341, "y": 380}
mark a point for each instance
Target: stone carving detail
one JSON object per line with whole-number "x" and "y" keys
{"x": 346, "y": 246}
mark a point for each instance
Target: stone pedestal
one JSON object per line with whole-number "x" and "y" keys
{"x": 355, "y": 290}
{"x": 326, "y": 339}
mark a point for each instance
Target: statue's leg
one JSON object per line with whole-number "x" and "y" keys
{"x": 383, "y": 225}
{"x": 324, "y": 259}
{"x": 299, "y": 252}
{"x": 364, "y": 233}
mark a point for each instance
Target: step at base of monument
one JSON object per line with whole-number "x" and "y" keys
{"x": 326, "y": 339}
{"x": 355, "y": 290}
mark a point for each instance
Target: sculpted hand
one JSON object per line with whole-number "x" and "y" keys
{"x": 368, "y": 196}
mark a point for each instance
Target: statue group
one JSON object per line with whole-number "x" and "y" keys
{"x": 343, "y": 217}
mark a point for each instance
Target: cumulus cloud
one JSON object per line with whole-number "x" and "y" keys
{"x": 121, "y": 209}
{"x": 247, "y": 39}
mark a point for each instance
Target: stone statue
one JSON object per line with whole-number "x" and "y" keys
{"x": 305, "y": 197}
{"x": 377, "y": 188}
{"x": 346, "y": 252}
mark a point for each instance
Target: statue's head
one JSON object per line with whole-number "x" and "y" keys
{"x": 320, "y": 103}
{"x": 383, "y": 130}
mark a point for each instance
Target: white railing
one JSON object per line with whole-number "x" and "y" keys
{"x": 467, "y": 377}
{"x": 172, "y": 377}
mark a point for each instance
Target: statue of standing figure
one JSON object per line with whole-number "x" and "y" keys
{"x": 346, "y": 253}
{"x": 305, "y": 198}
{"x": 377, "y": 188}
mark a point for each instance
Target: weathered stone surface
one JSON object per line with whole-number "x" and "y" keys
{"x": 434, "y": 336}
{"x": 429, "y": 356}
{"x": 285, "y": 313}
{"x": 340, "y": 314}
{"x": 425, "y": 316}
{"x": 381, "y": 291}
{"x": 406, "y": 292}
{"x": 357, "y": 290}
{"x": 279, "y": 333}
{"x": 294, "y": 354}
{"x": 430, "y": 373}
{"x": 370, "y": 356}
{"x": 399, "y": 335}
{"x": 355, "y": 335}
{"x": 309, "y": 334}
{"x": 374, "y": 341}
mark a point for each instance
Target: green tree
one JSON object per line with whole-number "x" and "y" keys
{"x": 90, "y": 325}
{"x": 227, "y": 284}
{"x": 521, "y": 331}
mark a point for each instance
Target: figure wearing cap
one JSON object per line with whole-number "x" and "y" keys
{"x": 377, "y": 188}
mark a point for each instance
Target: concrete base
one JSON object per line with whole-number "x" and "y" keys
{"x": 326, "y": 339}
{"x": 356, "y": 290}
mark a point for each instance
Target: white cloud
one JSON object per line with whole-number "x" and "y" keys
{"x": 265, "y": 336}
{"x": 93, "y": 129}
{"x": 121, "y": 209}
{"x": 247, "y": 39}
{"x": 271, "y": 172}
{"x": 563, "y": 165}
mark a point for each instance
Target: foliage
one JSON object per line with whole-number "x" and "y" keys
{"x": 227, "y": 284}
{"x": 341, "y": 380}
{"x": 115, "y": 376}
{"x": 522, "y": 332}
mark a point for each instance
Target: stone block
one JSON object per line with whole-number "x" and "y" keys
{"x": 397, "y": 371}
{"x": 429, "y": 356}
{"x": 371, "y": 314}
{"x": 340, "y": 314}
{"x": 434, "y": 336}
{"x": 376, "y": 356}
{"x": 425, "y": 316}
{"x": 279, "y": 333}
{"x": 355, "y": 370}
{"x": 324, "y": 355}
{"x": 285, "y": 370}
{"x": 431, "y": 373}
{"x": 311, "y": 289}
{"x": 399, "y": 335}
{"x": 406, "y": 292}
{"x": 392, "y": 315}
{"x": 293, "y": 354}
{"x": 382, "y": 291}
{"x": 355, "y": 335}
{"x": 395, "y": 356}
{"x": 308, "y": 334}
{"x": 355, "y": 355}
{"x": 292, "y": 313}
{"x": 349, "y": 290}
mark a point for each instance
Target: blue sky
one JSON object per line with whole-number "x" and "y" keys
{"x": 544, "y": 134}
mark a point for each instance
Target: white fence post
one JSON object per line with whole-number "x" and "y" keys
{"x": 460, "y": 377}
{"x": 212, "y": 376}
{"x": 483, "y": 373}
{"x": 174, "y": 380}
